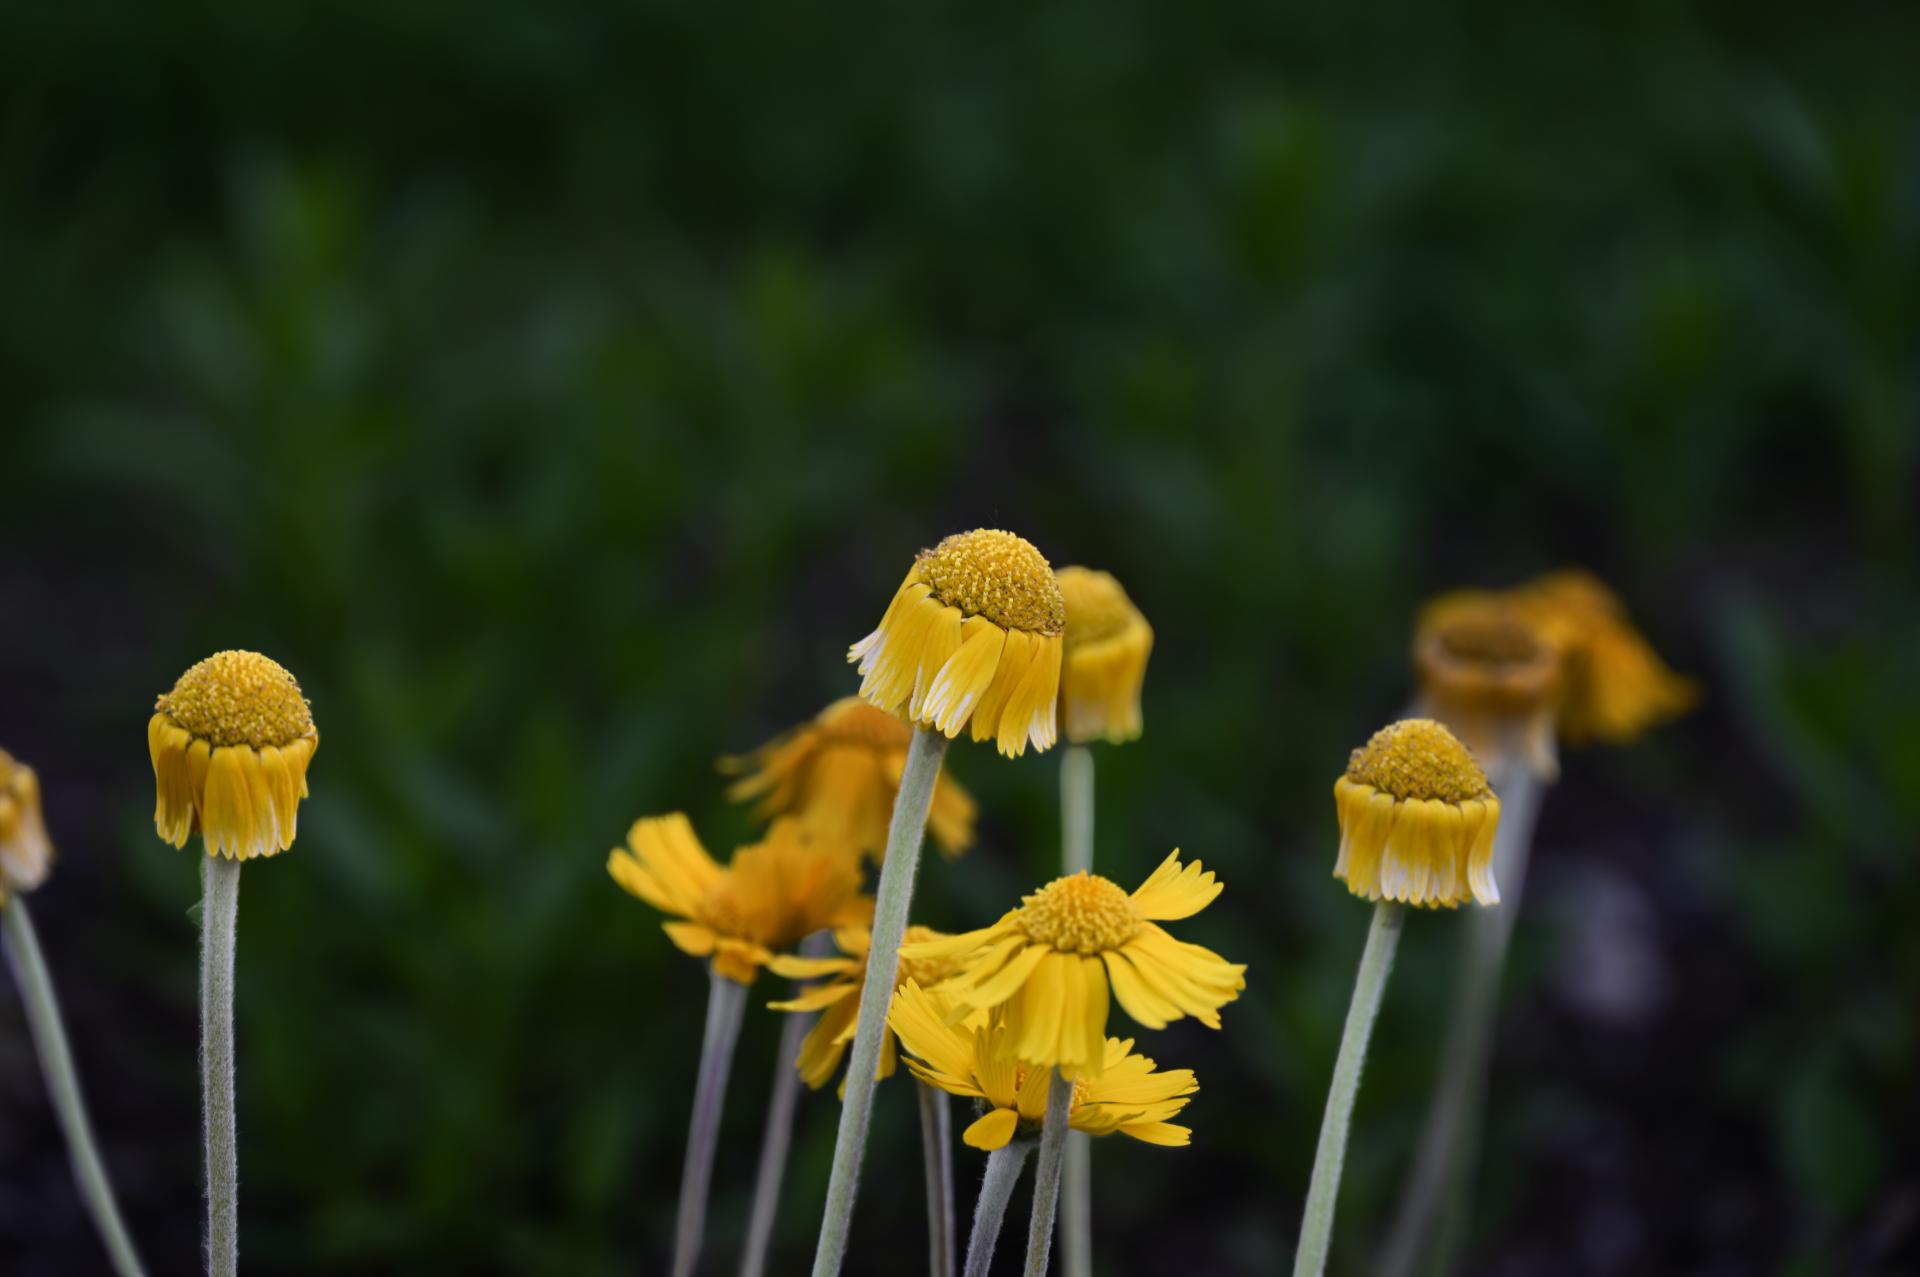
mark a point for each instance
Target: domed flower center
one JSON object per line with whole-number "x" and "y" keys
{"x": 854, "y": 722}
{"x": 1097, "y": 607}
{"x": 1083, "y": 913}
{"x": 1418, "y": 759}
{"x": 999, "y": 576}
{"x": 239, "y": 698}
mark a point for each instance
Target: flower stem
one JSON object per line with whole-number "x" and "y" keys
{"x": 63, "y": 1082}
{"x": 936, "y": 1146}
{"x": 891, "y": 900}
{"x": 779, "y": 1133}
{"x": 1323, "y": 1190}
{"x": 219, "y": 923}
{"x": 726, "y": 1003}
{"x": 1046, "y": 1175}
{"x": 1076, "y": 853}
{"x": 1428, "y": 1220}
{"x": 996, "y": 1190}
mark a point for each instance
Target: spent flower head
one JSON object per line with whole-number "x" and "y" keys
{"x": 1107, "y": 644}
{"x": 1417, "y": 819}
{"x": 766, "y": 899}
{"x": 839, "y": 774}
{"x": 25, "y": 850}
{"x": 972, "y": 638}
{"x": 1489, "y": 672}
{"x": 1616, "y": 684}
{"x": 230, "y": 745}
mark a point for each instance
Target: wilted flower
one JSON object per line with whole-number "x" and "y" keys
{"x": 1616, "y": 684}
{"x": 1490, "y": 674}
{"x": 972, "y": 637}
{"x": 1416, "y": 819}
{"x": 230, "y": 746}
{"x": 839, "y": 775}
{"x": 1107, "y": 645}
{"x": 769, "y": 896}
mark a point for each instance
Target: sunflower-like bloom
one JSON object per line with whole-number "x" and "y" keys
{"x": 1616, "y": 684}
{"x": 25, "y": 851}
{"x": 1490, "y": 673}
{"x": 839, "y": 774}
{"x": 972, "y": 637}
{"x": 837, "y": 998}
{"x": 1416, "y": 819}
{"x": 230, "y": 746}
{"x": 1052, "y": 961}
{"x": 766, "y": 899}
{"x": 1128, "y": 1095}
{"x": 1107, "y": 644}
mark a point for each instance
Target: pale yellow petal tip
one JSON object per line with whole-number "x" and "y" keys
{"x": 971, "y": 642}
{"x": 1105, "y": 650}
{"x": 26, "y": 852}
{"x": 1416, "y": 821}
{"x": 230, "y": 746}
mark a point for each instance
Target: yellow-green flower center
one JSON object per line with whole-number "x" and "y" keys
{"x": 996, "y": 575}
{"x": 1082, "y": 913}
{"x": 1418, "y": 759}
{"x": 239, "y": 698}
{"x": 1097, "y": 607}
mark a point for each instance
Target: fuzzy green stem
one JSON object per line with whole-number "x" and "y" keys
{"x": 1046, "y": 1175}
{"x": 1323, "y": 1190}
{"x": 1076, "y": 854}
{"x": 777, "y": 1137}
{"x": 63, "y": 1082}
{"x": 936, "y": 1147}
{"x": 891, "y": 901}
{"x": 726, "y": 1004}
{"x": 1428, "y": 1222}
{"x": 990, "y": 1208}
{"x": 219, "y": 924}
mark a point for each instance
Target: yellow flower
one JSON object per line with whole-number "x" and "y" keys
{"x": 837, "y": 998}
{"x": 973, "y": 636}
{"x": 1127, "y": 1095}
{"x": 839, "y": 775}
{"x": 771, "y": 895}
{"x": 1490, "y": 674}
{"x": 230, "y": 746}
{"x": 1107, "y": 645}
{"x": 1052, "y": 961}
{"x": 1616, "y": 684}
{"x": 1416, "y": 819}
{"x": 25, "y": 851}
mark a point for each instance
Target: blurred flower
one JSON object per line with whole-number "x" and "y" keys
{"x": 1107, "y": 644}
{"x": 771, "y": 895}
{"x": 1126, "y": 1095}
{"x": 1616, "y": 684}
{"x": 838, "y": 998}
{"x": 25, "y": 851}
{"x": 839, "y": 775}
{"x": 973, "y": 635}
{"x": 230, "y": 746}
{"x": 1490, "y": 674}
{"x": 1416, "y": 819}
{"x": 1052, "y": 960}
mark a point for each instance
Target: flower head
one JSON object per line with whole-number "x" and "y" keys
{"x": 837, "y": 997}
{"x": 230, "y": 746}
{"x": 839, "y": 774}
{"x": 1616, "y": 684}
{"x": 1489, "y": 672}
{"x": 1416, "y": 819}
{"x": 1052, "y": 961}
{"x": 25, "y": 851}
{"x": 1127, "y": 1095}
{"x": 972, "y": 637}
{"x": 1107, "y": 644}
{"x": 766, "y": 899}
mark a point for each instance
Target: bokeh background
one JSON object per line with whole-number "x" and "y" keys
{"x": 558, "y": 389}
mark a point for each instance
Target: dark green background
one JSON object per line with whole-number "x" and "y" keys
{"x": 557, "y": 391}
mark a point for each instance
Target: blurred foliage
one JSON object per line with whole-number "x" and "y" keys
{"x": 558, "y": 389}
